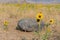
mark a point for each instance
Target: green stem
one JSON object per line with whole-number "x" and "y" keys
{"x": 39, "y": 30}
{"x": 5, "y": 28}
{"x": 46, "y": 34}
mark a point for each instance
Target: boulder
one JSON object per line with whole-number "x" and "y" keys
{"x": 29, "y": 24}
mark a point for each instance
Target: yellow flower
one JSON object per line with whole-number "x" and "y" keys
{"x": 39, "y": 16}
{"x": 51, "y": 21}
{"x": 5, "y": 23}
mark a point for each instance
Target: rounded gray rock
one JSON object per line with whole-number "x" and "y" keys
{"x": 29, "y": 24}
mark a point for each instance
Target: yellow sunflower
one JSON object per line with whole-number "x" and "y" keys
{"x": 51, "y": 21}
{"x": 5, "y": 23}
{"x": 39, "y": 16}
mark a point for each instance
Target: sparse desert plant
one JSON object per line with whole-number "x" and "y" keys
{"x": 5, "y": 26}
{"x": 39, "y": 18}
{"x": 48, "y": 30}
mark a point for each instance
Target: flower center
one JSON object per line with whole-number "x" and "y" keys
{"x": 39, "y": 16}
{"x": 50, "y": 20}
{"x": 38, "y": 20}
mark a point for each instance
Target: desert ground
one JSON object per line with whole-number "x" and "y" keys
{"x": 12, "y": 13}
